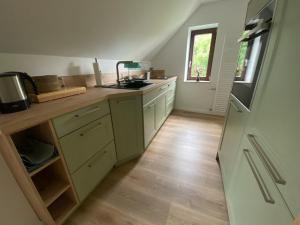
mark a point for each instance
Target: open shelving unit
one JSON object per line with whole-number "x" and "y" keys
{"x": 51, "y": 182}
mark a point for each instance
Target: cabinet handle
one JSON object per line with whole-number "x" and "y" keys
{"x": 266, "y": 160}
{"x": 90, "y": 129}
{"x": 96, "y": 159}
{"x": 262, "y": 186}
{"x": 88, "y": 112}
{"x": 235, "y": 107}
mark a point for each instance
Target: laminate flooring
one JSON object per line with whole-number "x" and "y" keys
{"x": 177, "y": 180}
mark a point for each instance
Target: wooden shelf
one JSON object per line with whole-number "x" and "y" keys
{"x": 49, "y": 187}
{"x": 50, "y": 162}
{"x": 54, "y": 191}
{"x": 61, "y": 208}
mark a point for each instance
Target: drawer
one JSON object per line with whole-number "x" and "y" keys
{"x": 76, "y": 119}
{"x": 92, "y": 172}
{"x": 155, "y": 93}
{"x": 82, "y": 144}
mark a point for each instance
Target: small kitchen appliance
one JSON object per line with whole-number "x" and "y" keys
{"x": 13, "y": 95}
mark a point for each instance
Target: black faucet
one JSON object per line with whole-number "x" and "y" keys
{"x": 117, "y": 67}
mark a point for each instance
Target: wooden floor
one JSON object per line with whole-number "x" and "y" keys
{"x": 176, "y": 182}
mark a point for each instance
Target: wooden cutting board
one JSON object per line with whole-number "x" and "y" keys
{"x": 65, "y": 92}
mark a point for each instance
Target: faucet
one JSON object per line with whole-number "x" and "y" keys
{"x": 117, "y": 67}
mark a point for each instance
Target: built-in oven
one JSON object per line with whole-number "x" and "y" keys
{"x": 253, "y": 44}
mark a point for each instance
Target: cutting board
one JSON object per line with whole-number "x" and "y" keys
{"x": 65, "y": 92}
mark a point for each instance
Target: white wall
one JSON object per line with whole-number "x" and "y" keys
{"x": 43, "y": 65}
{"x": 15, "y": 209}
{"x": 36, "y": 65}
{"x": 199, "y": 97}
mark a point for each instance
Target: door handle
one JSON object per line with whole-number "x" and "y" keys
{"x": 266, "y": 160}
{"x": 262, "y": 186}
{"x": 235, "y": 106}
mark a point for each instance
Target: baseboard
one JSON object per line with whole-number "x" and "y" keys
{"x": 200, "y": 111}
{"x": 197, "y": 114}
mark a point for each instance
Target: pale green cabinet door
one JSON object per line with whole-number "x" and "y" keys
{"x": 94, "y": 170}
{"x": 160, "y": 111}
{"x": 276, "y": 122}
{"x": 149, "y": 122}
{"x": 232, "y": 135}
{"x": 254, "y": 198}
{"x": 127, "y": 117}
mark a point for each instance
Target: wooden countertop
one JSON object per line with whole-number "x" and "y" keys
{"x": 38, "y": 113}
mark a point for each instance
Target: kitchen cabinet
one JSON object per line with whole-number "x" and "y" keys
{"x": 232, "y": 134}
{"x": 275, "y": 121}
{"x": 160, "y": 111}
{"x": 127, "y": 118}
{"x": 272, "y": 133}
{"x": 157, "y": 105}
{"x": 87, "y": 143}
{"x": 254, "y": 198}
{"x": 149, "y": 122}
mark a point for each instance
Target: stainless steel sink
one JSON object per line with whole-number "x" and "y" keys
{"x": 135, "y": 85}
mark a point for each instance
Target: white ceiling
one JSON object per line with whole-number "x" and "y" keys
{"x": 108, "y": 29}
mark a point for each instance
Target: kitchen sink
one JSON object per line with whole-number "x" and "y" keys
{"x": 135, "y": 85}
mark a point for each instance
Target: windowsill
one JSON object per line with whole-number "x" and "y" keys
{"x": 194, "y": 81}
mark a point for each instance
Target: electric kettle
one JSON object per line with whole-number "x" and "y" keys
{"x": 13, "y": 95}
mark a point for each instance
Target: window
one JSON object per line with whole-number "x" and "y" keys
{"x": 201, "y": 52}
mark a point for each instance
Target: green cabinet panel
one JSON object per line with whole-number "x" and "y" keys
{"x": 150, "y": 96}
{"x": 127, "y": 117}
{"x": 160, "y": 111}
{"x": 149, "y": 122}
{"x": 275, "y": 121}
{"x": 94, "y": 170}
{"x": 83, "y": 143}
{"x": 254, "y": 198}
{"x": 71, "y": 121}
{"x": 232, "y": 135}
{"x": 170, "y": 106}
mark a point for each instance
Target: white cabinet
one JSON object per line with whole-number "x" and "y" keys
{"x": 254, "y": 198}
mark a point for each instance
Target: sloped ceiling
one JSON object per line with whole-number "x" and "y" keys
{"x": 108, "y": 29}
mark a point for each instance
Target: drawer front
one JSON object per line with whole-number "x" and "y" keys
{"x": 150, "y": 96}
{"x": 82, "y": 144}
{"x": 155, "y": 93}
{"x": 93, "y": 171}
{"x": 74, "y": 120}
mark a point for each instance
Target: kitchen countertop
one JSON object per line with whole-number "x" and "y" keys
{"x": 39, "y": 113}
